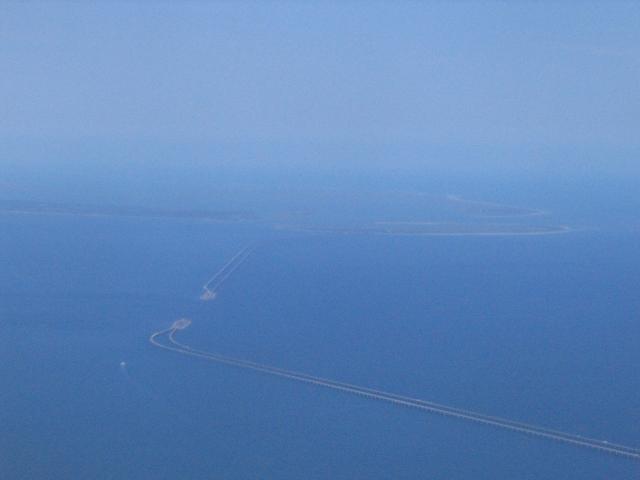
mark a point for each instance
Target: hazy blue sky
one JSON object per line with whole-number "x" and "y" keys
{"x": 475, "y": 73}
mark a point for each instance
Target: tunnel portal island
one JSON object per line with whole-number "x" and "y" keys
{"x": 181, "y": 324}
{"x": 208, "y": 295}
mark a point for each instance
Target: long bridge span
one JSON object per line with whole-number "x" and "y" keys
{"x": 166, "y": 340}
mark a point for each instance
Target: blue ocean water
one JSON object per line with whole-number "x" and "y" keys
{"x": 541, "y": 329}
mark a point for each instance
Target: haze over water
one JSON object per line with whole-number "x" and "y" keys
{"x": 143, "y": 145}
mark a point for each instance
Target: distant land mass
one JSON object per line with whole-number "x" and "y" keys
{"x": 490, "y": 209}
{"x": 46, "y": 208}
{"x": 432, "y": 228}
